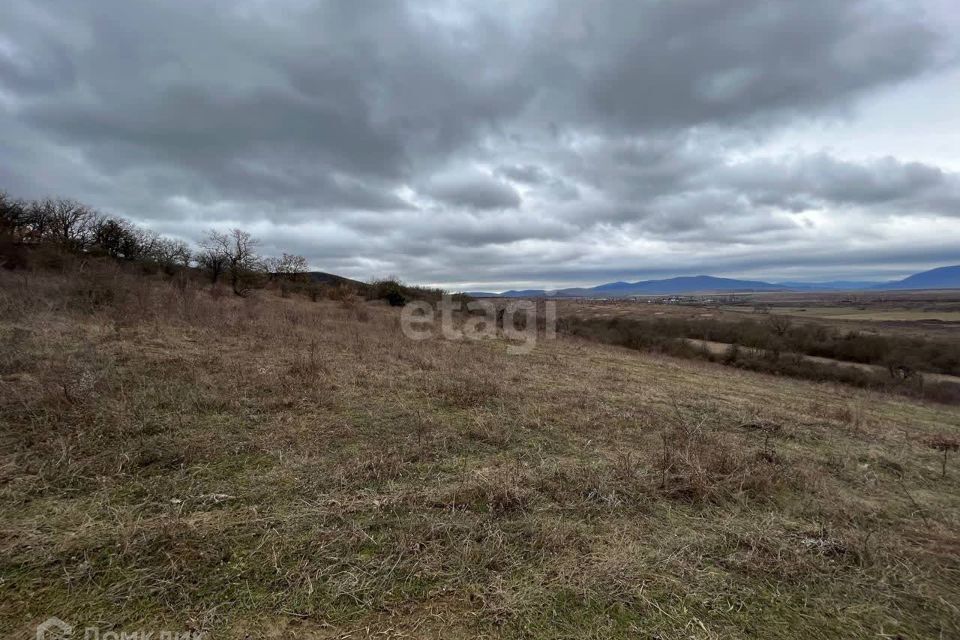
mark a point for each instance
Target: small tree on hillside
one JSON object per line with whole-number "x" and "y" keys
{"x": 12, "y": 216}
{"x": 37, "y": 221}
{"x": 290, "y": 267}
{"x": 297, "y": 266}
{"x": 287, "y": 269}
{"x": 780, "y": 325}
{"x": 238, "y": 251}
{"x": 171, "y": 255}
{"x": 213, "y": 262}
{"x": 69, "y": 223}
{"x": 117, "y": 238}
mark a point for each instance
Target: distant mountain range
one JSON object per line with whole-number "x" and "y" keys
{"x": 941, "y": 278}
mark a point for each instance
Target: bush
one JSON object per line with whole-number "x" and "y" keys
{"x": 396, "y": 299}
{"x": 391, "y": 290}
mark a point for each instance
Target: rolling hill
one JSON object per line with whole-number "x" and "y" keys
{"x": 941, "y": 278}
{"x": 321, "y": 277}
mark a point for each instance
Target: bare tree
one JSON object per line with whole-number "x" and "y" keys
{"x": 148, "y": 241}
{"x": 117, "y": 238}
{"x": 288, "y": 267}
{"x": 238, "y": 251}
{"x": 272, "y": 267}
{"x": 171, "y": 255}
{"x": 37, "y": 221}
{"x": 213, "y": 262}
{"x": 12, "y": 216}
{"x": 70, "y": 223}
{"x": 779, "y": 324}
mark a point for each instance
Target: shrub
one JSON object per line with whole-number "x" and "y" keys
{"x": 389, "y": 289}
{"x": 946, "y": 444}
{"x": 396, "y": 299}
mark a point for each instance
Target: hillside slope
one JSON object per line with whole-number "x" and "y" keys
{"x": 940, "y": 278}
{"x": 275, "y": 467}
{"x": 322, "y": 277}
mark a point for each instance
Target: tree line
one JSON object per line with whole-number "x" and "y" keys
{"x": 778, "y": 335}
{"x": 778, "y": 346}
{"x": 73, "y": 227}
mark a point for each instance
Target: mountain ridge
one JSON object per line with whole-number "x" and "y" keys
{"x": 939, "y": 278}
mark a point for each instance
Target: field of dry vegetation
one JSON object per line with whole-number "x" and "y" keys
{"x": 176, "y": 457}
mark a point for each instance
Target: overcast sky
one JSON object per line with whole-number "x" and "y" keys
{"x": 492, "y": 145}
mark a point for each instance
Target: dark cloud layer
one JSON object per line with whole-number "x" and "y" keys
{"x": 473, "y": 191}
{"x": 493, "y": 143}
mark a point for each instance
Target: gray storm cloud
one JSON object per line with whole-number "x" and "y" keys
{"x": 488, "y": 143}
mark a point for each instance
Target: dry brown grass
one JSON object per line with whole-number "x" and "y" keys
{"x": 278, "y": 467}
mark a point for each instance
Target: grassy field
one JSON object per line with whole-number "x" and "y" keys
{"x": 900, "y": 315}
{"x": 275, "y": 467}
{"x": 869, "y": 314}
